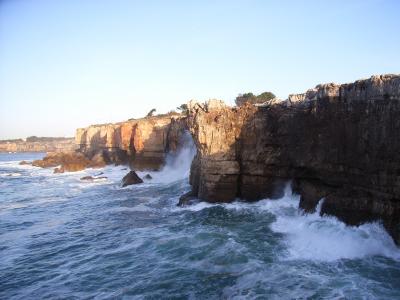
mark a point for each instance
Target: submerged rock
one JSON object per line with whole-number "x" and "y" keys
{"x": 187, "y": 199}
{"x": 148, "y": 177}
{"x": 58, "y": 170}
{"x": 93, "y": 178}
{"x": 131, "y": 178}
{"x": 22, "y": 163}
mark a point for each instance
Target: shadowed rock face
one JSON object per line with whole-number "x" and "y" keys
{"x": 337, "y": 142}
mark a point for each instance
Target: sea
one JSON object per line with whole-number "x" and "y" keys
{"x": 65, "y": 238}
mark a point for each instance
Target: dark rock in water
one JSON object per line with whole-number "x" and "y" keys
{"x": 148, "y": 176}
{"x": 187, "y": 199}
{"x": 22, "y": 163}
{"x": 124, "y": 169}
{"x": 131, "y": 178}
{"x": 58, "y": 170}
{"x": 98, "y": 174}
{"x": 91, "y": 178}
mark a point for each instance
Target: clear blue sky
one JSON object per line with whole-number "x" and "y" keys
{"x": 68, "y": 64}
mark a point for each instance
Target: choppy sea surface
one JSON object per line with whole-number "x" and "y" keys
{"x": 62, "y": 238}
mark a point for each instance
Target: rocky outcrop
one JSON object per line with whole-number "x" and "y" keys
{"x": 131, "y": 178}
{"x": 142, "y": 143}
{"x": 35, "y": 144}
{"x": 336, "y": 142}
{"x": 67, "y": 162}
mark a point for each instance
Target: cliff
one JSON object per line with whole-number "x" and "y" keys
{"x": 336, "y": 142}
{"x": 38, "y": 144}
{"x": 143, "y": 143}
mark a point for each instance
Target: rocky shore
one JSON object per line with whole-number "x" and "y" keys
{"x": 142, "y": 144}
{"x": 339, "y": 143}
{"x": 38, "y": 144}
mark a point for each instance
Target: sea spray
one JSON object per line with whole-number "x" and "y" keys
{"x": 177, "y": 164}
{"x": 61, "y": 236}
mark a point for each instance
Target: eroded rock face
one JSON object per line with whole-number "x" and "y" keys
{"x": 142, "y": 143}
{"x": 69, "y": 161}
{"x": 337, "y": 142}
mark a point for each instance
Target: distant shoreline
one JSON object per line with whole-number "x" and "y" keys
{"x": 37, "y": 144}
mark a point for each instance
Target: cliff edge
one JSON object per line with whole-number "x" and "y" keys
{"x": 339, "y": 143}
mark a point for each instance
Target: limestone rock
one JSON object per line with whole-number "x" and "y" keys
{"x": 141, "y": 143}
{"x": 38, "y": 144}
{"x": 337, "y": 142}
{"x": 69, "y": 161}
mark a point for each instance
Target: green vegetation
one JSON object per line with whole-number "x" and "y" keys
{"x": 183, "y": 108}
{"x": 151, "y": 113}
{"x": 241, "y": 99}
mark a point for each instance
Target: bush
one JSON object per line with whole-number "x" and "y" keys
{"x": 251, "y": 98}
{"x": 183, "y": 108}
{"x": 151, "y": 113}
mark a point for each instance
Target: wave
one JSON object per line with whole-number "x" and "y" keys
{"x": 13, "y": 174}
{"x": 315, "y": 237}
{"x": 177, "y": 164}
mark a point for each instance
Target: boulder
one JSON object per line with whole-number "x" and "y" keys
{"x": 148, "y": 177}
{"x": 22, "y": 163}
{"x": 131, "y": 178}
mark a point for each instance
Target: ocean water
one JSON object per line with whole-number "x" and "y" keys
{"x": 62, "y": 238}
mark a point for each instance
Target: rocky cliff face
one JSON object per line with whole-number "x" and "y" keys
{"x": 35, "y": 144}
{"x": 143, "y": 142}
{"x": 336, "y": 142}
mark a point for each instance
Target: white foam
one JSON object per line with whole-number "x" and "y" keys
{"x": 177, "y": 165}
{"x": 14, "y": 174}
{"x": 315, "y": 237}
{"x": 312, "y": 237}
{"x": 194, "y": 207}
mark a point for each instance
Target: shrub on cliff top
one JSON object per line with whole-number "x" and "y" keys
{"x": 151, "y": 113}
{"x": 251, "y": 98}
{"x": 183, "y": 108}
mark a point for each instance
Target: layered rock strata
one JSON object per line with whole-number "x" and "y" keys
{"x": 34, "y": 144}
{"x": 143, "y": 143}
{"x": 339, "y": 143}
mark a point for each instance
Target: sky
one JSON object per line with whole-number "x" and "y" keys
{"x": 72, "y": 63}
